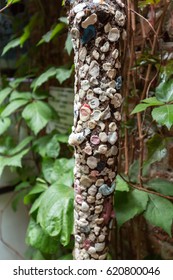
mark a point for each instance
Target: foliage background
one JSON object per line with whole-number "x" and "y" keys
{"x": 44, "y": 161}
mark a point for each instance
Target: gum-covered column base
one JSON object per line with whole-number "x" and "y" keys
{"x": 96, "y": 27}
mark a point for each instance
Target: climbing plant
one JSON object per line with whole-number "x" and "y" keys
{"x": 43, "y": 159}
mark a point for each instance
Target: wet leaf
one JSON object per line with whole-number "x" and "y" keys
{"x": 154, "y": 214}
{"x": 163, "y": 115}
{"x": 129, "y": 204}
{"x": 55, "y": 213}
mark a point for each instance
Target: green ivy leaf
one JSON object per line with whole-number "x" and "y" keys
{"x": 36, "y": 204}
{"x": 12, "y": 44}
{"x": 17, "y": 81}
{"x": 12, "y": 161}
{"x": 40, "y": 144}
{"x": 28, "y": 28}
{"x": 121, "y": 185}
{"x": 53, "y": 147}
{"x": 37, "y": 114}
{"x": 161, "y": 186}
{"x": 20, "y": 146}
{"x": 4, "y": 93}
{"x": 12, "y": 1}
{"x": 4, "y": 125}
{"x": 148, "y": 102}
{"x": 22, "y": 186}
{"x": 60, "y": 171}
{"x": 63, "y": 171}
{"x": 62, "y": 138}
{"x": 156, "y": 149}
{"x": 164, "y": 92}
{"x": 55, "y": 213}
{"x": 47, "y": 169}
{"x": 163, "y": 115}
{"x": 62, "y": 74}
{"x": 46, "y": 38}
{"x": 37, "y": 189}
{"x": 140, "y": 108}
{"x": 13, "y": 106}
{"x": 68, "y": 44}
{"x": 129, "y": 204}
{"x": 38, "y": 239}
{"x": 154, "y": 214}
{"x": 153, "y": 101}
{"x": 43, "y": 78}
{"x": 20, "y": 95}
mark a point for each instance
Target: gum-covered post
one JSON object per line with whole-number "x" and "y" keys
{"x": 96, "y": 27}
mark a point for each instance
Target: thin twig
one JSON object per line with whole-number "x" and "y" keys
{"x": 7, "y": 6}
{"x": 135, "y": 186}
{"x": 145, "y": 20}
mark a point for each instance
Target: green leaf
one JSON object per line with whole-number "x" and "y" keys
{"x": 161, "y": 186}
{"x": 20, "y": 95}
{"x": 156, "y": 149}
{"x": 68, "y": 44}
{"x": 55, "y": 213}
{"x": 140, "y": 108}
{"x": 28, "y": 28}
{"x": 121, "y": 185}
{"x": 17, "y": 81}
{"x": 129, "y": 204}
{"x": 148, "y": 102}
{"x": 60, "y": 171}
{"x": 36, "y": 204}
{"x": 164, "y": 92}
{"x": 163, "y": 115}
{"x": 52, "y": 33}
{"x": 21, "y": 186}
{"x": 53, "y": 147}
{"x": 20, "y": 146}
{"x": 37, "y": 114}
{"x": 62, "y": 74}
{"x": 12, "y": 1}
{"x": 62, "y": 138}
{"x": 43, "y": 78}
{"x": 63, "y": 171}
{"x": 153, "y": 101}
{"x": 37, "y": 189}
{"x": 159, "y": 212}
{"x": 12, "y": 44}
{"x": 13, "y": 106}
{"x": 38, "y": 239}
{"x": 47, "y": 169}
{"x": 4, "y": 93}
{"x": 40, "y": 144}
{"x": 12, "y": 161}
{"x": 4, "y": 125}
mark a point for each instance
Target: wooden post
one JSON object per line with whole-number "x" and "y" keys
{"x": 96, "y": 28}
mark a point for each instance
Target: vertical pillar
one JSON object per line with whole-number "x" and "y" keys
{"x": 96, "y": 28}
